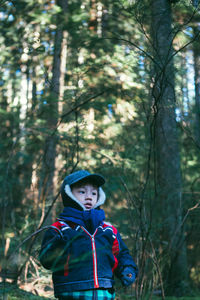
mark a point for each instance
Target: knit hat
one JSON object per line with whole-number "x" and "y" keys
{"x": 67, "y": 196}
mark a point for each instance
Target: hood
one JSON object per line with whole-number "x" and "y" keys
{"x": 70, "y": 200}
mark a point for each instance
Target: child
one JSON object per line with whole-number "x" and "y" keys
{"x": 81, "y": 249}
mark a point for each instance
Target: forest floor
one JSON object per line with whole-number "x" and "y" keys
{"x": 13, "y": 292}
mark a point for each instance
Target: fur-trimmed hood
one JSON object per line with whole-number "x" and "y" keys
{"x": 68, "y": 198}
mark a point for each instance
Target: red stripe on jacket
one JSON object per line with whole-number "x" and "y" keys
{"x": 66, "y": 267}
{"x": 115, "y": 246}
{"x": 57, "y": 224}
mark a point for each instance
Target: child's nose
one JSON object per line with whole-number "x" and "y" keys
{"x": 89, "y": 195}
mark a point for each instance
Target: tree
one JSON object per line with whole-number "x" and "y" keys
{"x": 196, "y": 54}
{"x": 167, "y": 153}
{"x": 47, "y": 189}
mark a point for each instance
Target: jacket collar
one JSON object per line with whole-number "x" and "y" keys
{"x": 90, "y": 219}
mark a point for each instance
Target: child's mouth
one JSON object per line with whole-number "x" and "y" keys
{"x": 88, "y": 205}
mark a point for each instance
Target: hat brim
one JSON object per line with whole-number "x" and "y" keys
{"x": 96, "y": 179}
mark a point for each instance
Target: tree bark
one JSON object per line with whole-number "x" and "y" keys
{"x": 167, "y": 154}
{"x": 56, "y": 93}
{"x": 196, "y": 54}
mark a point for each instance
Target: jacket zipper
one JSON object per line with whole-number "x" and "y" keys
{"x": 95, "y": 263}
{"x": 94, "y": 255}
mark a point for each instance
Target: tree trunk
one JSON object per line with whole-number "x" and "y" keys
{"x": 167, "y": 156}
{"x": 196, "y": 54}
{"x": 47, "y": 191}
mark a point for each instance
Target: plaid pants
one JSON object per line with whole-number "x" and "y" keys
{"x": 89, "y": 295}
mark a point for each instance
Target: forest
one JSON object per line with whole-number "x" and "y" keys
{"x": 112, "y": 87}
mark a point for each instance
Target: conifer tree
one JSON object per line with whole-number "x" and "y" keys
{"x": 167, "y": 151}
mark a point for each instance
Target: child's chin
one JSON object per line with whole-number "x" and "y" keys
{"x": 88, "y": 207}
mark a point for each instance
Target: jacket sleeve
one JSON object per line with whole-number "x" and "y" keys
{"x": 53, "y": 248}
{"x": 124, "y": 260}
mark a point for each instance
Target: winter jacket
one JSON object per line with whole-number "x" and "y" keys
{"x": 80, "y": 260}
{"x": 80, "y": 248}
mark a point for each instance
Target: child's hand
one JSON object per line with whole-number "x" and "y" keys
{"x": 128, "y": 276}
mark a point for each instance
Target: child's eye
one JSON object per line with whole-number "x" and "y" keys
{"x": 82, "y": 192}
{"x": 94, "y": 193}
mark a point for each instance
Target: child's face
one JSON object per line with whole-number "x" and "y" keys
{"x": 87, "y": 194}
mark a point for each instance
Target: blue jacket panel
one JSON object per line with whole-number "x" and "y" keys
{"x": 81, "y": 261}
